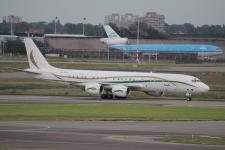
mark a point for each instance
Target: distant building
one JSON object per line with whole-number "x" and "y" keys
{"x": 153, "y": 19}
{"x": 12, "y": 19}
{"x": 35, "y": 32}
{"x": 121, "y": 20}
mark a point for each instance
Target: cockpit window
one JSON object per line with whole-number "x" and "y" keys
{"x": 195, "y": 80}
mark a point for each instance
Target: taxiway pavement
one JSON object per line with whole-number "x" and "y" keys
{"x": 28, "y": 99}
{"x": 102, "y": 135}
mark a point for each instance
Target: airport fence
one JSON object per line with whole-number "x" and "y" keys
{"x": 127, "y": 56}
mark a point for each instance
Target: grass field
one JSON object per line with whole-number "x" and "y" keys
{"x": 195, "y": 140}
{"x": 117, "y": 112}
{"x": 112, "y": 60}
{"x": 6, "y": 66}
{"x": 5, "y": 148}
{"x": 76, "y": 63}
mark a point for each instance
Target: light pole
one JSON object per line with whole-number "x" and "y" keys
{"x": 124, "y": 48}
{"x": 55, "y": 23}
{"x": 137, "y": 53}
{"x": 108, "y": 51}
{"x": 11, "y": 27}
{"x": 138, "y": 32}
{"x": 11, "y": 20}
{"x": 3, "y": 49}
{"x": 83, "y": 24}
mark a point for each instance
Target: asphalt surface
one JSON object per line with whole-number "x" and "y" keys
{"x": 95, "y": 135}
{"x": 26, "y": 99}
{"x": 17, "y": 75}
{"x": 102, "y": 135}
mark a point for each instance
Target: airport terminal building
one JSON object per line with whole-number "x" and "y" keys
{"x": 90, "y": 47}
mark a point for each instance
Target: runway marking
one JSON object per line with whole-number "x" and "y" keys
{"x": 151, "y": 139}
{"x": 65, "y": 142}
{"x": 44, "y": 127}
{"x": 212, "y": 137}
{"x": 139, "y": 139}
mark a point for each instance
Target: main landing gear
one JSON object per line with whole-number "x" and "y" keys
{"x": 110, "y": 96}
{"x": 188, "y": 96}
{"x": 107, "y": 96}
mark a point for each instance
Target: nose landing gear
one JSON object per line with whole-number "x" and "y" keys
{"x": 188, "y": 96}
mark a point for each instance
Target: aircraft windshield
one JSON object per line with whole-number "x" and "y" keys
{"x": 196, "y": 80}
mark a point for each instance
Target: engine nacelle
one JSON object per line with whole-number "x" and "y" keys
{"x": 120, "y": 91}
{"x": 93, "y": 88}
{"x": 155, "y": 93}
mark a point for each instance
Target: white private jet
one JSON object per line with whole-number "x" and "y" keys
{"x": 112, "y": 84}
{"x": 113, "y": 37}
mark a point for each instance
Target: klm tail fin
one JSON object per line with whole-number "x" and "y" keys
{"x": 110, "y": 32}
{"x": 35, "y": 58}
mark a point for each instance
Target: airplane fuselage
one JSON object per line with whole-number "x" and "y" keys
{"x": 200, "y": 50}
{"x": 142, "y": 81}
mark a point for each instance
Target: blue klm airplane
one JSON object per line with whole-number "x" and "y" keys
{"x": 200, "y": 49}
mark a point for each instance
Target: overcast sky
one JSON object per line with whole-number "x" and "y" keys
{"x": 198, "y": 12}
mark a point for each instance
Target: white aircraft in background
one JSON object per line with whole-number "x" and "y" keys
{"x": 112, "y": 84}
{"x": 113, "y": 37}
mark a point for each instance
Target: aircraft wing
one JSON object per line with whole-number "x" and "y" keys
{"x": 131, "y": 87}
{"x": 106, "y": 86}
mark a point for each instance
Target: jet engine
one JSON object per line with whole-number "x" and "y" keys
{"x": 120, "y": 91}
{"x": 93, "y": 88}
{"x": 155, "y": 93}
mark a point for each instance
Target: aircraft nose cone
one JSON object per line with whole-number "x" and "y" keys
{"x": 203, "y": 87}
{"x": 206, "y": 88}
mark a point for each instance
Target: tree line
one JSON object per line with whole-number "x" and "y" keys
{"x": 15, "y": 47}
{"x": 188, "y": 28}
{"x": 48, "y": 28}
{"x": 145, "y": 31}
{"x": 130, "y": 32}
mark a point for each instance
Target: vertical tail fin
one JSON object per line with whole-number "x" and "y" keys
{"x": 110, "y": 32}
{"x": 35, "y": 58}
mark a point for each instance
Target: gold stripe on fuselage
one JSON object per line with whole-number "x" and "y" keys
{"x": 32, "y": 60}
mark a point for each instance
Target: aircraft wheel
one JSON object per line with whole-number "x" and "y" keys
{"x": 103, "y": 96}
{"x": 189, "y": 99}
{"x": 117, "y": 97}
{"x": 109, "y": 96}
